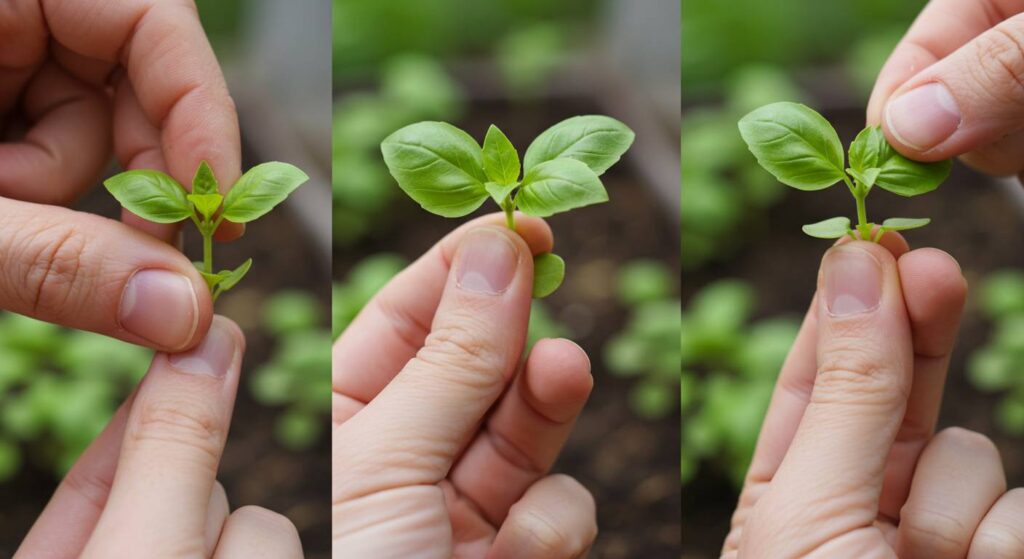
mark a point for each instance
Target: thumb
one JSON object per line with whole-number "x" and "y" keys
{"x": 966, "y": 101}
{"x": 864, "y": 361}
{"x": 417, "y": 426}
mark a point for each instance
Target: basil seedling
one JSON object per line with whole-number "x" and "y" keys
{"x": 447, "y": 172}
{"x": 801, "y": 149}
{"x": 159, "y": 198}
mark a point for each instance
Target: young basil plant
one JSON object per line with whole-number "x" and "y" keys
{"x": 159, "y": 198}
{"x": 449, "y": 174}
{"x": 801, "y": 149}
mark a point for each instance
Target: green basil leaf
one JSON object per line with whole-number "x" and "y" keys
{"x": 499, "y": 192}
{"x": 596, "y": 140}
{"x": 795, "y": 144}
{"x": 204, "y": 182}
{"x": 150, "y": 195}
{"x": 501, "y": 160}
{"x": 232, "y": 277}
{"x": 833, "y": 228}
{"x": 897, "y": 174}
{"x": 260, "y": 189}
{"x": 438, "y": 166}
{"x": 212, "y": 280}
{"x": 548, "y": 273}
{"x": 904, "y": 223}
{"x": 559, "y": 185}
{"x": 867, "y": 177}
{"x": 207, "y": 204}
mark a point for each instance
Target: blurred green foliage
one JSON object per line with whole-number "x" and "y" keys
{"x": 412, "y": 88}
{"x": 648, "y": 347}
{"x": 722, "y": 184}
{"x": 222, "y": 21}
{"x": 297, "y": 377}
{"x": 718, "y": 37}
{"x": 996, "y": 367}
{"x": 729, "y": 367}
{"x": 529, "y": 56}
{"x": 441, "y": 28}
{"x": 58, "y": 389}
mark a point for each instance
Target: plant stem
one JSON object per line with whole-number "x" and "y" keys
{"x": 510, "y": 216}
{"x": 207, "y": 251}
{"x": 860, "y": 194}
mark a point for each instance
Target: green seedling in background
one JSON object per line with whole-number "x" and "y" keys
{"x": 996, "y": 366}
{"x": 448, "y": 173}
{"x": 159, "y": 198}
{"x": 802, "y": 150}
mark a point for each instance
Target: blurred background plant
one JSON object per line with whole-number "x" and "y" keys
{"x": 525, "y": 65}
{"x": 742, "y": 241}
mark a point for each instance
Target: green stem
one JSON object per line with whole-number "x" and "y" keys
{"x": 862, "y": 212}
{"x": 510, "y": 217}
{"x": 207, "y": 251}
{"x": 860, "y": 194}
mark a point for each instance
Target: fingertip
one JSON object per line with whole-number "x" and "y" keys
{"x": 558, "y": 377}
{"x": 935, "y": 292}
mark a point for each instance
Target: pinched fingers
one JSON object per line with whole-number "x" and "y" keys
{"x": 555, "y": 519}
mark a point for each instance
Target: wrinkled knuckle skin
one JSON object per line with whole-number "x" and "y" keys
{"x": 50, "y": 259}
{"x": 998, "y": 541}
{"x": 1000, "y": 62}
{"x": 856, "y": 375}
{"x": 547, "y": 539}
{"x": 462, "y": 349}
{"x": 94, "y": 489}
{"x": 946, "y": 535}
{"x": 188, "y": 427}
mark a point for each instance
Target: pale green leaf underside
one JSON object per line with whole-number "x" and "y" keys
{"x": 548, "y": 273}
{"x": 897, "y": 174}
{"x": 437, "y": 165}
{"x": 832, "y": 228}
{"x": 596, "y": 140}
{"x": 501, "y": 160}
{"x": 204, "y": 182}
{"x": 904, "y": 223}
{"x": 499, "y": 192}
{"x": 151, "y": 195}
{"x": 795, "y": 144}
{"x": 559, "y": 185}
{"x": 260, "y": 189}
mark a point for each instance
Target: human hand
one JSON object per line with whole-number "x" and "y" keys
{"x": 952, "y": 87}
{"x": 146, "y": 486}
{"x": 75, "y": 74}
{"x": 441, "y": 449}
{"x": 847, "y": 464}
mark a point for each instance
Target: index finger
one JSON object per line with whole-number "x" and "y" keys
{"x": 942, "y": 27}
{"x": 172, "y": 69}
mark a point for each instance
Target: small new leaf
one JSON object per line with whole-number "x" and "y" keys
{"x": 548, "y": 273}
{"x": 904, "y": 223}
{"x": 867, "y": 177}
{"x": 261, "y": 189}
{"x": 795, "y": 144}
{"x": 501, "y": 160}
{"x": 559, "y": 185}
{"x": 596, "y": 140}
{"x": 231, "y": 278}
{"x": 499, "y": 192}
{"x": 151, "y": 195}
{"x": 832, "y": 228}
{"x": 206, "y": 204}
{"x": 204, "y": 182}
{"x": 437, "y": 165}
{"x": 897, "y": 174}
{"x": 212, "y": 280}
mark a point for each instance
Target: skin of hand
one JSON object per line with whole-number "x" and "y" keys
{"x": 952, "y": 87}
{"x": 442, "y": 438}
{"x": 77, "y": 79}
{"x": 148, "y": 481}
{"x": 848, "y": 463}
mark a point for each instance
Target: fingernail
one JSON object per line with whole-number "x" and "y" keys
{"x": 853, "y": 281}
{"x": 213, "y": 356}
{"x": 487, "y": 262}
{"x": 160, "y": 306}
{"x": 924, "y": 117}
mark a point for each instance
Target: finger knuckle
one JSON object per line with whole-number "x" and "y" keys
{"x": 998, "y": 540}
{"x": 462, "y": 348}
{"x": 857, "y": 375}
{"x": 93, "y": 489}
{"x": 1000, "y": 62}
{"x": 52, "y": 266}
{"x": 945, "y": 535}
{"x": 176, "y": 423}
{"x": 547, "y": 539}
